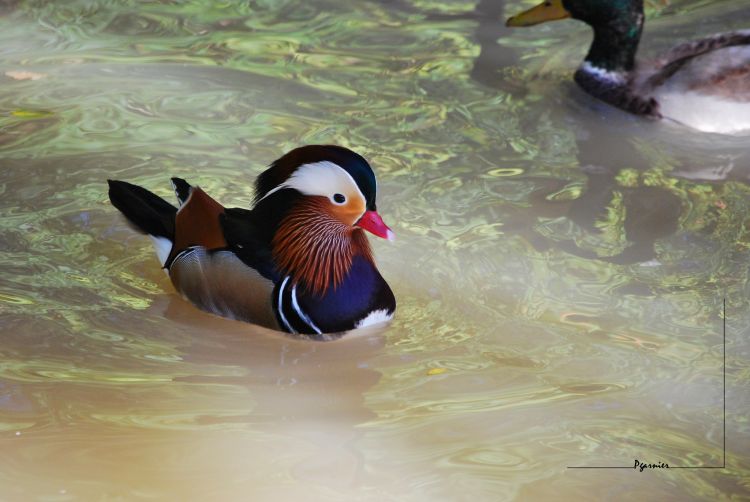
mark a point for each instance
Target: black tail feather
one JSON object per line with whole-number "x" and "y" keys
{"x": 182, "y": 189}
{"x": 149, "y": 213}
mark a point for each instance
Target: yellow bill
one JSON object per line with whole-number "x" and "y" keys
{"x": 551, "y": 10}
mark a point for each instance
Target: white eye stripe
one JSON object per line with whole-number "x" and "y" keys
{"x": 320, "y": 178}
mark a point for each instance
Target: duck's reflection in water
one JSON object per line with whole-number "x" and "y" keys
{"x": 649, "y": 213}
{"x": 309, "y": 392}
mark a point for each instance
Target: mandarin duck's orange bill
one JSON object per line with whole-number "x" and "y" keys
{"x": 298, "y": 261}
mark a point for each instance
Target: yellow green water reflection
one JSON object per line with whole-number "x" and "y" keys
{"x": 560, "y": 266}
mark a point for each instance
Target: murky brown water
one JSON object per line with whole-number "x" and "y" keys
{"x": 560, "y": 267}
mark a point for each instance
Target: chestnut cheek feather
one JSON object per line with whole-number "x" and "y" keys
{"x": 350, "y": 212}
{"x": 315, "y": 247}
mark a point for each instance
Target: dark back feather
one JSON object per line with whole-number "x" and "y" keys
{"x": 181, "y": 189}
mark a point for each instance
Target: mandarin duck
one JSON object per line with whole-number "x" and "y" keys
{"x": 298, "y": 261}
{"x": 704, "y": 84}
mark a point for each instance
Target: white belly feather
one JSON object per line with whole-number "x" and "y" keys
{"x": 710, "y": 107}
{"x": 373, "y": 318}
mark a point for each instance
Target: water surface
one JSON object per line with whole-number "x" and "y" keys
{"x": 560, "y": 266}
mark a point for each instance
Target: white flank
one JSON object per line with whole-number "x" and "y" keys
{"x": 706, "y": 113}
{"x": 374, "y": 317}
{"x": 163, "y": 248}
{"x": 707, "y": 109}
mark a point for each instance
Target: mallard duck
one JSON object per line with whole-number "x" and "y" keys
{"x": 704, "y": 84}
{"x": 298, "y": 261}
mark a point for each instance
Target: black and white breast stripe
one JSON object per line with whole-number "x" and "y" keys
{"x": 290, "y": 314}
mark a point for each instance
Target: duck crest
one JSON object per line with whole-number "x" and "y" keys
{"x": 315, "y": 248}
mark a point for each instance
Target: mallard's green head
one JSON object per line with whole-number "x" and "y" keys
{"x": 592, "y": 12}
{"x": 617, "y": 27}
{"x": 624, "y": 13}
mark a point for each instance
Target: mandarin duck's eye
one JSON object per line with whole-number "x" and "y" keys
{"x": 339, "y": 198}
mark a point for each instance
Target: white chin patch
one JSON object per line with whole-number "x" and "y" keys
{"x": 374, "y": 317}
{"x": 163, "y": 248}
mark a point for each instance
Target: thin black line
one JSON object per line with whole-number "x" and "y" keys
{"x": 599, "y": 467}
{"x": 724, "y": 399}
{"x": 697, "y": 467}
{"x": 631, "y": 467}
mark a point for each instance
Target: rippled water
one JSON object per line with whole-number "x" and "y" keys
{"x": 560, "y": 266}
